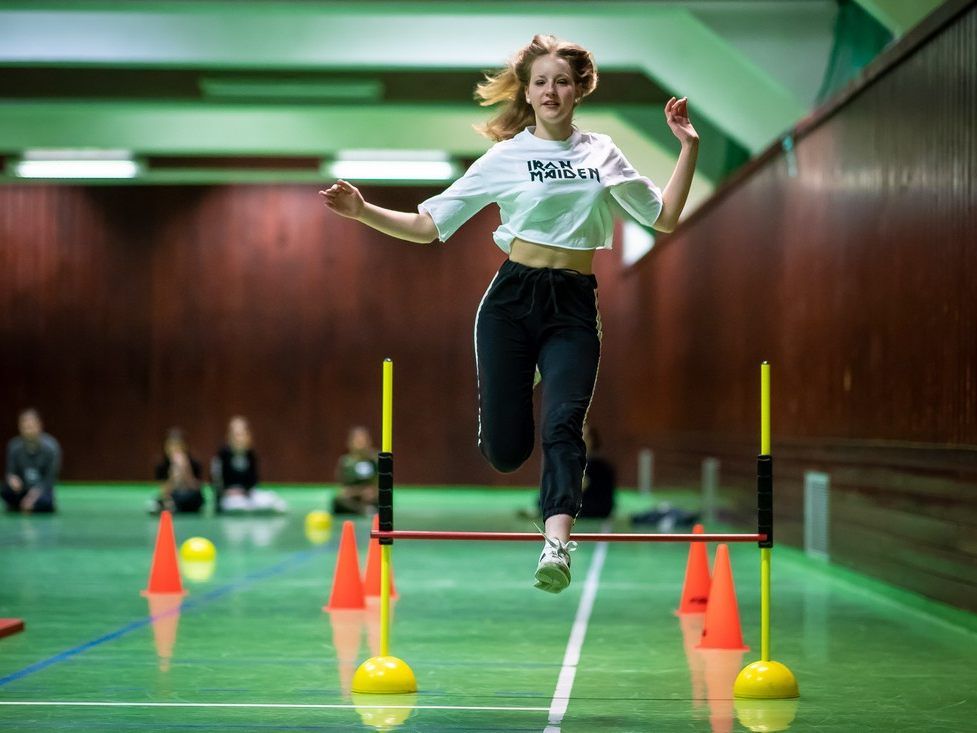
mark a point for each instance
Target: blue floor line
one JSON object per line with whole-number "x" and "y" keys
{"x": 188, "y": 605}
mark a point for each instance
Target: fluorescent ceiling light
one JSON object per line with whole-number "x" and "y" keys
{"x": 392, "y": 165}
{"x": 77, "y": 169}
{"x": 386, "y": 170}
{"x": 76, "y": 164}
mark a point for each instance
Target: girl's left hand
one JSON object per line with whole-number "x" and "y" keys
{"x": 677, "y": 117}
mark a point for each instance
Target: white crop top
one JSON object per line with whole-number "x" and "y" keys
{"x": 562, "y": 193}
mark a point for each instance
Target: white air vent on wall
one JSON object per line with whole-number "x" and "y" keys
{"x": 816, "y": 514}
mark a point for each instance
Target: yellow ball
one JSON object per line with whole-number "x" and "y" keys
{"x": 198, "y": 549}
{"x": 318, "y": 521}
{"x": 199, "y": 571}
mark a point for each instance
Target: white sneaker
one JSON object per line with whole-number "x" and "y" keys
{"x": 553, "y": 571}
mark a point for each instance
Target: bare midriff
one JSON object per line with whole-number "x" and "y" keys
{"x": 531, "y": 254}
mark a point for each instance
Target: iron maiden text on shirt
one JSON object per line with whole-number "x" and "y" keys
{"x": 540, "y": 170}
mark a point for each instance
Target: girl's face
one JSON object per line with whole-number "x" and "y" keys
{"x": 173, "y": 447}
{"x": 551, "y": 91}
{"x": 30, "y": 426}
{"x": 359, "y": 441}
{"x": 239, "y": 435}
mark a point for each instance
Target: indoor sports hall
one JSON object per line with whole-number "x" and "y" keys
{"x": 292, "y": 426}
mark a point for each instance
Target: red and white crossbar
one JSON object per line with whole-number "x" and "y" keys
{"x": 401, "y": 534}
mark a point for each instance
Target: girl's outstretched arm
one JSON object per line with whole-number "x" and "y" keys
{"x": 676, "y": 191}
{"x": 346, "y": 200}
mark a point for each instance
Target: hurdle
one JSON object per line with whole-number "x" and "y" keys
{"x": 584, "y": 537}
{"x": 763, "y": 679}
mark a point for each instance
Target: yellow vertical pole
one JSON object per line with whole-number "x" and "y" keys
{"x": 387, "y": 441}
{"x": 765, "y": 604}
{"x": 385, "y": 601}
{"x": 386, "y": 445}
{"x": 765, "y": 409}
{"x": 765, "y": 551}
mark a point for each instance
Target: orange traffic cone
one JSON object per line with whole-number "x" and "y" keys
{"x": 347, "y": 588}
{"x": 164, "y": 576}
{"x": 722, "y": 627}
{"x": 695, "y": 590}
{"x": 371, "y": 579}
{"x": 164, "y": 612}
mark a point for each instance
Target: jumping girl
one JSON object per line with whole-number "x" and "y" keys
{"x": 558, "y": 189}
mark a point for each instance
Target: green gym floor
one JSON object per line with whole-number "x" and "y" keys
{"x": 252, "y": 649}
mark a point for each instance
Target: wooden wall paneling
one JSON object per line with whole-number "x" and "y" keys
{"x": 128, "y": 310}
{"x": 855, "y": 278}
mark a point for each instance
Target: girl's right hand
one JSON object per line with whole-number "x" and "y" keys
{"x": 344, "y": 198}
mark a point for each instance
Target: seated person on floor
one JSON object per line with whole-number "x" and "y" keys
{"x": 599, "y": 480}
{"x": 356, "y": 475}
{"x": 234, "y": 474}
{"x": 181, "y": 476}
{"x": 33, "y": 462}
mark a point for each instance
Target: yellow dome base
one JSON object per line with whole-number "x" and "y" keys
{"x": 765, "y": 681}
{"x": 384, "y": 676}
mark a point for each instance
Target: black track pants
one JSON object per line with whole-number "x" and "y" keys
{"x": 548, "y": 318}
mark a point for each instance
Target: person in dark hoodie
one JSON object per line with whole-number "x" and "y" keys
{"x": 33, "y": 462}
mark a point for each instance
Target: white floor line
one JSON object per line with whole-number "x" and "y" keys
{"x": 571, "y": 658}
{"x": 312, "y": 706}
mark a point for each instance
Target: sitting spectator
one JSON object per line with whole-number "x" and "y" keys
{"x": 234, "y": 474}
{"x": 599, "y": 481}
{"x": 356, "y": 475}
{"x": 33, "y": 462}
{"x": 180, "y": 474}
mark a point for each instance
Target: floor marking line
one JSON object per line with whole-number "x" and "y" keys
{"x": 571, "y": 658}
{"x": 271, "y": 705}
{"x": 189, "y": 604}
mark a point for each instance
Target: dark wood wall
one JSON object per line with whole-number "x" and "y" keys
{"x": 125, "y": 310}
{"x": 857, "y": 279}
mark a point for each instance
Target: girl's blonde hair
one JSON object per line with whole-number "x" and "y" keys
{"x": 509, "y": 84}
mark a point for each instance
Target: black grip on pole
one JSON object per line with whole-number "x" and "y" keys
{"x": 385, "y": 494}
{"x": 764, "y": 499}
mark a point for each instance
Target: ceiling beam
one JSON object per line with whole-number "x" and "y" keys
{"x": 664, "y": 40}
{"x": 899, "y": 15}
